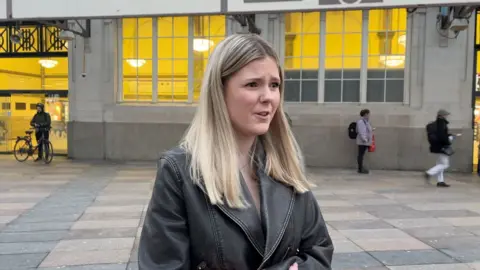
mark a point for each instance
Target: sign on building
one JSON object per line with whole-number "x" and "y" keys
{"x": 3, "y": 9}
{"x": 42, "y": 9}
{"x": 287, "y": 5}
{"x": 55, "y": 9}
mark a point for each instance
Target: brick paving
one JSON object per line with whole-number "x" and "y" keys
{"x": 82, "y": 216}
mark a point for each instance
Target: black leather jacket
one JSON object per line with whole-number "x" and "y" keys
{"x": 182, "y": 230}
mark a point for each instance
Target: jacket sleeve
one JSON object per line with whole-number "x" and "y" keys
{"x": 316, "y": 247}
{"x": 49, "y": 120}
{"x": 32, "y": 122}
{"x": 164, "y": 242}
{"x": 362, "y": 131}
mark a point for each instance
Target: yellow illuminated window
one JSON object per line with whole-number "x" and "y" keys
{"x": 55, "y": 73}
{"x": 302, "y": 50}
{"x": 343, "y": 52}
{"x": 386, "y": 55}
{"x": 172, "y": 55}
{"x": 477, "y": 39}
{"x": 208, "y": 31}
{"x": 172, "y": 59}
{"x": 34, "y": 73}
{"x": 137, "y": 59}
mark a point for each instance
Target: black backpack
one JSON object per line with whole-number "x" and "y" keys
{"x": 432, "y": 132}
{"x": 352, "y": 130}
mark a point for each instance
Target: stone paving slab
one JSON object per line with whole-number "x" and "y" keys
{"x": 87, "y": 216}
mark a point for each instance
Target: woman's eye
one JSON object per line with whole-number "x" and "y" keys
{"x": 275, "y": 85}
{"x": 252, "y": 84}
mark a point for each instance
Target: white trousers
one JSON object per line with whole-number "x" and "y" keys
{"x": 442, "y": 164}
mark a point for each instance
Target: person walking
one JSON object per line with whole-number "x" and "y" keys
{"x": 440, "y": 141}
{"x": 364, "y": 138}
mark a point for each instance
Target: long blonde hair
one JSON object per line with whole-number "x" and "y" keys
{"x": 210, "y": 139}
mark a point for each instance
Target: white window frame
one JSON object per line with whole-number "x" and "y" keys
{"x": 154, "y": 99}
{"x": 363, "y": 64}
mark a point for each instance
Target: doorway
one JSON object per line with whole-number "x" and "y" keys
{"x": 17, "y": 110}
{"x": 476, "y": 95}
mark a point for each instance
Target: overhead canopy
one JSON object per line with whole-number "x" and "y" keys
{"x": 56, "y": 9}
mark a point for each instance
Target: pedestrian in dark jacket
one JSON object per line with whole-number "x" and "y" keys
{"x": 440, "y": 141}
{"x": 42, "y": 123}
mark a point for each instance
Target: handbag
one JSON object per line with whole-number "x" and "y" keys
{"x": 373, "y": 146}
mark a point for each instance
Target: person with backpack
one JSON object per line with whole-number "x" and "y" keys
{"x": 362, "y": 132}
{"x": 440, "y": 141}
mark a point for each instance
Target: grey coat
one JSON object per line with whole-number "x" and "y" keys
{"x": 364, "y": 132}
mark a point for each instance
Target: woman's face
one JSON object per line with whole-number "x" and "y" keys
{"x": 252, "y": 96}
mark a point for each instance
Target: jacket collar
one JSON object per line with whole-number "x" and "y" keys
{"x": 442, "y": 119}
{"x": 277, "y": 202}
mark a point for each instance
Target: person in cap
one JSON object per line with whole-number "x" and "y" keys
{"x": 440, "y": 144}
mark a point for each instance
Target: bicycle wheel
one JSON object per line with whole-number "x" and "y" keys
{"x": 20, "y": 150}
{"x": 47, "y": 152}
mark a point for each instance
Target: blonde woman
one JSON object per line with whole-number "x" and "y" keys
{"x": 234, "y": 195}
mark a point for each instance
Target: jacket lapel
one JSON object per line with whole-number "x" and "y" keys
{"x": 277, "y": 206}
{"x": 247, "y": 219}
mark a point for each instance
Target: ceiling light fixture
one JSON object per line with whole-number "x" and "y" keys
{"x": 202, "y": 44}
{"x": 392, "y": 60}
{"x": 136, "y": 63}
{"x": 48, "y": 63}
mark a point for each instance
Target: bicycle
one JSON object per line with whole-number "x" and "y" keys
{"x": 24, "y": 147}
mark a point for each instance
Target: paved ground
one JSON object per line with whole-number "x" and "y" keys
{"x": 80, "y": 216}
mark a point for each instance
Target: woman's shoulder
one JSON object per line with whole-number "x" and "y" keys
{"x": 176, "y": 156}
{"x": 174, "y": 163}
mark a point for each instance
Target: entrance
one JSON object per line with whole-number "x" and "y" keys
{"x": 34, "y": 69}
{"x": 17, "y": 110}
{"x": 476, "y": 96}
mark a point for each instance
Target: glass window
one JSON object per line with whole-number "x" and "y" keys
{"x": 386, "y": 55}
{"x": 302, "y": 51}
{"x": 208, "y": 31}
{"x": 137, "y": 59}
{"x": 343, "y": 52}
{"x": 172, "y": 59}
{"x": 172, "y": 55}
{"x": 34, "y": 73}
{"x": 56, "y": 75}
{"x": 477, "y": 28}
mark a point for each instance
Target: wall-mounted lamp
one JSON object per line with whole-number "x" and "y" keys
{"x": 48, "y": 63}
{"x": 136, "y": 63}
{"x": 202, "y": 44}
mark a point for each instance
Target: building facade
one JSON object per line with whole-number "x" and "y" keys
{"x": 134, "y": 84}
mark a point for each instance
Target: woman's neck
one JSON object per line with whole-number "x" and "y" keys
{"x": 244, "y": 147}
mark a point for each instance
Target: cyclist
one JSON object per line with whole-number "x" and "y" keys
{"x": 42, "y": 123}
